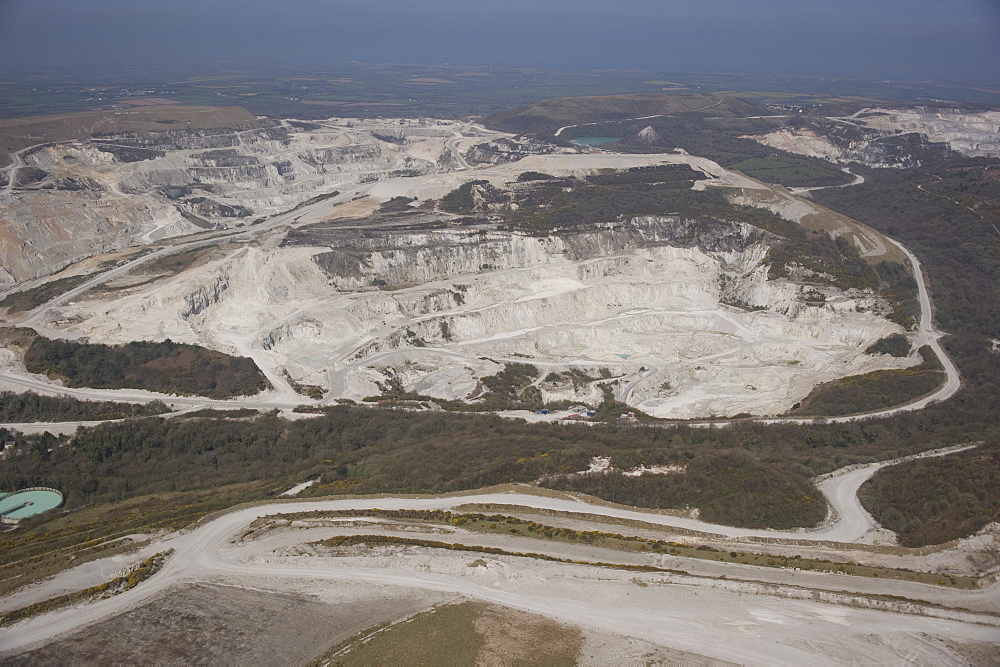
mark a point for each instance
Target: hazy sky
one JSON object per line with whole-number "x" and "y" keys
{"x": 903, "y": 39}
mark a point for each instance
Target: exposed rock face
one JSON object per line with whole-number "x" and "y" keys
{"x": 974, "y": 134}
{"x": 891, "y": 138}
{"x": 78, "y": 198}
{"x": 362, "y": 258}
{"x": 503, "y": 150}
{"x": 802, "y": 140}
{"x": 852, "y": 144}
{"x": 432, "y": 310}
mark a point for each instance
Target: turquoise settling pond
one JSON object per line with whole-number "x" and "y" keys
{"x": 595, "y": 141}
{"x": 27, "y": 503}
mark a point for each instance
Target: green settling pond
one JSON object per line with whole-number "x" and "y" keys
{"x": 23, "y": 504}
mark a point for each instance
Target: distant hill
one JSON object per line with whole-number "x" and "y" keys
{"x": 548, "y": 116}
{"x": 18, "y": 133}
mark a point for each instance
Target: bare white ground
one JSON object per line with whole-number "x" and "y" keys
{"x": 763, "y": 625}
{"x": 973, "y": 134}
{"x": 474, "y": 299}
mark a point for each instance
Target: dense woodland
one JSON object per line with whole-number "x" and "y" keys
{"x": 900, "y": 288}
{"x": 31, "y": 407}
{"x": 363, "y": 450}
{"x": 895, "y": 345}
{"x": 947, "y": 212}
{"x": 733, "y": 484}
{"x": 875, "y": 390}
{"x": 167, "y": 367}
{"x": 930, "y": 501}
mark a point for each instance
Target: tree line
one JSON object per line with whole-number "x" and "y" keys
{"x": 363, "y": 450}
{"x": 167, "y": 367}
{"x": 32, "y": 407}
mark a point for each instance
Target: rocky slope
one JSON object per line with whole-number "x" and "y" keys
{"x": 975, "y": 134}
{"x": 430, "y": 309}
{"x": 71, "y": 199}
{"x": 502, "y": 150}
{"x": 890, "y": 138}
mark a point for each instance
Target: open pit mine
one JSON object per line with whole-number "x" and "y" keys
{"x": 335, "y": 295}
{"x": 439, "y": 265}
{"x": 886, "y": 138}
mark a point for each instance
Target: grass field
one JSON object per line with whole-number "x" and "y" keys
{"x": 462, "y": 634}
{"x": 791, "y": 171}
{"x": 366, "y": 89}
{"x": 19, "y": 133}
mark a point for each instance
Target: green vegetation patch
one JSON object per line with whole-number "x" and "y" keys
{"x": 899, "y": 286}
{"x": 29, "y": 299}
{"x": 512, "y": 380}
{"x": 677, "y": 175}
{"x": 396, "y": 205}
{"x": 443, "y": 636}
{"x": 30, "y": 407}
{"x": 791, "y": 170}
{"x": 467, "y": 633}
{"x": 167, "y": 367}
{"x": 727, "y": 484}
{"x": 895, "y": 345}
{"x": 930, "y": 501}
{"x": 533, "y": 176}
{"x": 239, "y": 413}
{"x": 461, "y": 199}
{"x": 835, "y": 261}
{"x": 947, "y": 211}
{"x": 874, "y": 391}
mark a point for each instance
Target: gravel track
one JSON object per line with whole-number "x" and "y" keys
{"x": 205, "y": 552}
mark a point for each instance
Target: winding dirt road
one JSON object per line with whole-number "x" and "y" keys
{"x": 683, "y": 611}
{"x": 287, "y": 399}
{"x": 206, "y": 551}
{"x": 284, "y": 396}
